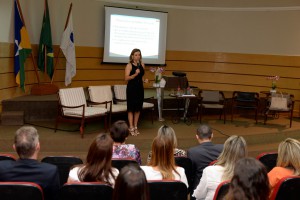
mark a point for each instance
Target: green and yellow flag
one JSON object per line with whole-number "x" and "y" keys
{"x": 45, "y": 55}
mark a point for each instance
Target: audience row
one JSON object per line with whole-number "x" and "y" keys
{"x": 248, "y": 177}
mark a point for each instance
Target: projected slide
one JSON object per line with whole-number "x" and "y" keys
{"x": 128, "y": 32}
{"x": 127, "y": 29}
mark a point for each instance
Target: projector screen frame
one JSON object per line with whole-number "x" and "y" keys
{"x": 136, "y": 13}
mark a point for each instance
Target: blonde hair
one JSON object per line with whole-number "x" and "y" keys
{"x": 163, "y": 157}
{"x": 235, "y": 148}
{"x": 289, "y": 155}
{"x": 167, "y": 132}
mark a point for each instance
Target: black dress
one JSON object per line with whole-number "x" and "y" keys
{"x": 135, "y": 90}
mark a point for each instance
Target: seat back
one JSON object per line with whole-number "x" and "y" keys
{"x": 20, "y": 190}
{"x": 268, "y": 159}
{"x": 100, "y": 93}
{"x": 64, "y": 164}
{"x": 245, "y": 96}
{"x": 119, "y": 163}
{"x": 163, "y": 189}
{"x": 287, "y": 188}
{"x": 86, "y": 191}
{"x": 120, "y": 92}
{"x": 186, "y": 163}
{"x": 222, "y": 190}
{"x": 211, "y": 96}
{"x": 7, "y": 157}
{"x": 280, "y": 102}
{"x": 72, "y": 96}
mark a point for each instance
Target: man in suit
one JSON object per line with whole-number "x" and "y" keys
{"x": 27, "y": 168}
{"x": 204, "y": 153}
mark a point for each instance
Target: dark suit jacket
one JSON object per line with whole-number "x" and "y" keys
{"x": 30, "y": 170}
{"x": 201, "y": 156}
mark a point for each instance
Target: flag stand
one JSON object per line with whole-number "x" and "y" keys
{"x": 45, "y": 88}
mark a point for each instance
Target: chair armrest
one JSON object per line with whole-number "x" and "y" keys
{"x": 93, "y": 103}
{"x": 120, "y": 100}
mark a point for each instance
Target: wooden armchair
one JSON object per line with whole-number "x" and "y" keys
{"x": 73, "y": 107}
{"x": 120, "y": 98}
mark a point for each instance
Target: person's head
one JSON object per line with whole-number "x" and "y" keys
{"x": 250, "y": 181}
{"x": 204, "y": 133}
{"x": 131, "y": 184}
{"x": 167, "y": 133}
{"x": 119, "y": 131}
{"x": 235, "y": 148}
{"x": 289, "y": 155}
{"x": 26, "y": 142}
{"x": 135, "y": 55}
{"x": 98, "y": 160}
{"x": 163, "y": 156}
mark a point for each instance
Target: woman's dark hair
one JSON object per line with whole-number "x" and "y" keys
{"x": 249, "y": 182}
{"x": 131, "y": 184}
{"x": 119, "y": 131}
{"x": 98, "y": 161}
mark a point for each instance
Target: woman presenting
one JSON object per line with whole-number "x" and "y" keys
{"x": 134, "y": 73}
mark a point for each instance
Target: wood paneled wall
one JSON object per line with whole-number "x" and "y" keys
{"x": 206, "y": 70}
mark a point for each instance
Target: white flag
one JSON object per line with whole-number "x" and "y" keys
{"x": 68, "y": 47}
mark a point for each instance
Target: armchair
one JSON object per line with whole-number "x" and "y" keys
{"x": 245, "y": 101}
{"x": 73, "y": 107}
{"x": 211, "y": 100}
{"x": 120, "y": 98}
{"x": 279, "y": 103}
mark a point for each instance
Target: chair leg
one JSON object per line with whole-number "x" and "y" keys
{"x": 56, "y": 124}
{"x": 82, "y": 128}
{"x": 152, "y": 110}
{"x": 291, "y": 119}
{"x": 256, "y": 115}
{"x": 201, "y": 111}
{"x": 224, "y": 112}
{"x": 198, "y": 111}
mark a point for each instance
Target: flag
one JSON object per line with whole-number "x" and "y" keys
{"x": 68, "y": 48}
{"x": 45, "y": 62}
{"x": 22, "y": 48}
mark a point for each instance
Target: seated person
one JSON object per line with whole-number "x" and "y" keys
{"x": 98, "y": 163}
{"x": 168, "y": 132}
{"x": 235, "y": 148}
{"x": 288, "y": 161}
{"x": 27, "y": 168}
{"x": 119, "y": 133}
{"x": 131, "y": 184}
{"x": 250, "y": 181}
{"x": 162, "y": 164}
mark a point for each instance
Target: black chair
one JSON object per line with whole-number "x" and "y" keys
{"x": 209, "y": 99}
{"x": 287, "y": 188}
{"x": 186, "y": 163}
{"x": 86, "y": 191}
{"x": 64, "y": 164}
{"x": 222, "y": 190}
{"x": 167, "y": 189}
{"x": 7, "y": 157}
{"x": 245, "y": 101}
{"x": 268, "y": 159}
{"x": 119, "y": 163}
{"x": 20, "y": 190}
{"x": 279, "y": 103}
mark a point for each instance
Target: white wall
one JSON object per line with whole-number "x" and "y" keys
{"x": 276, "y": 31}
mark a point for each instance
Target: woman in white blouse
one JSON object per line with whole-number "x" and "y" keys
{"x": 98, "y": 163}
{"x": 162, "y": 164}
{"x": 235, "y": 148}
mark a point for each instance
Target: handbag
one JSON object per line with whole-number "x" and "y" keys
{"x": 279, "y": 102}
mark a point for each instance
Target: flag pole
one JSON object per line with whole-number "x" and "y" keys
{"x": 59, "y": 50}
{"x": 32, "y": 57}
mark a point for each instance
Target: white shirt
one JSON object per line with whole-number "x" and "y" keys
{"x": 152, "y": 174}
{"x": 211, "y": 178}
{"x": 73, "y": 174}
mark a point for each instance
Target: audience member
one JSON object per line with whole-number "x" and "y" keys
{"x": 204, "y": 153}
{"x": 288, "y": 161}
{"x": 131, "y": 184}
{"x": 27, "y": 168}
{"x": 119, "y": 133}
{"x": 162, "y": 164}
{"x": 168, "y": 132}
{"x": 249, "y": 181}
{"x": 98, "y": 163}
{"x": 234, "y": 149}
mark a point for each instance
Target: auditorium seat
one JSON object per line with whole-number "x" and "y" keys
{"x": 222, "y": 190}
{"x": 7, "y": 157}
{"x": 268, "y": 159}
{"x": 288, "y": 188}
{"x": 167, "y": 189}
{"x": 119, "y": 163}
{"x": 186, "y": 164}
{"x": 20, "y": 190}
